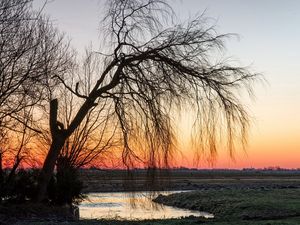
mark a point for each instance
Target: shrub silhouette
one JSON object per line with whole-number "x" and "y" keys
{"x": 21, "y": 186}
{"x": 65, "y": 187}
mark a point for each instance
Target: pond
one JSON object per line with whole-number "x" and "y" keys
{"x": 129, "y": 206}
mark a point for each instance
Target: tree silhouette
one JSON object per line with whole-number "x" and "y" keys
{"x": 150, "y": 69}
{"x": 15, "y": 152}
{"x": 31, "y": 52}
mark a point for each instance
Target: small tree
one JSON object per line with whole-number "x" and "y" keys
{"x": 152, "y": 69}
{"x": 15, "y": 152}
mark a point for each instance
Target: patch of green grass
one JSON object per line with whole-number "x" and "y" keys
{"x": 239, "y": 204}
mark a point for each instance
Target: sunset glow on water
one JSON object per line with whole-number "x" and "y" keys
{"x": 128, "y": 206}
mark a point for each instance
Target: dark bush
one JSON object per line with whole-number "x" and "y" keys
{"x": 19, "y": 187}
{"x": 64, "y": 188}
{"x": 25, "y": 184}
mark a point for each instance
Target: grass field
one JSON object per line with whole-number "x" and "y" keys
{"x": 119, "y": 180}
{"x": 245, "y": 206}
{"x": 234, "y": 198}
{"x": 230, "y": 207}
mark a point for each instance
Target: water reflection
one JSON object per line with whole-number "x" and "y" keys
{"x": 130, "y": 206}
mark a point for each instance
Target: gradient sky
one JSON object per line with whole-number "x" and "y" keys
{"x": 269, "y": 42}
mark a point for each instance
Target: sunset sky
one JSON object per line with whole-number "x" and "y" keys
{"x": 269, "y": 43}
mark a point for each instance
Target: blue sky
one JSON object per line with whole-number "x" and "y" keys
{"x": 269, "y": 42}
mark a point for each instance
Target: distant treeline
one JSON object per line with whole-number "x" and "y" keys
{"x": 199, "y": 173}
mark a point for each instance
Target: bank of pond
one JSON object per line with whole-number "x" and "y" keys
{"x": 215, "y": 207}
{"x": 132, "y": 206}
{"x": 227, "y": 206}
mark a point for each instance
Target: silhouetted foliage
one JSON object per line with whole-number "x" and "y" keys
{"x": 19, "y": 188}
{"x": 65, "y": 187}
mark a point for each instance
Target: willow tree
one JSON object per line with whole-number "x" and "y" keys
{"x": 151, "y": 68}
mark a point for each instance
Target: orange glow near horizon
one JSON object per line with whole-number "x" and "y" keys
{"x": 266, "y": 148}
{"x": 261, "y": 152}
{"x": 268, "y": 44}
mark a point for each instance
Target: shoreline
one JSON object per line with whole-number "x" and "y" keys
{"x": 217, "y": 188}
{"x": 239, "y": 205}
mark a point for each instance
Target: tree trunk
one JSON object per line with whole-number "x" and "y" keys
{"x": 58, "y": 140}
{"x": 48, "y": 167}
{"x": 59, "y": 135}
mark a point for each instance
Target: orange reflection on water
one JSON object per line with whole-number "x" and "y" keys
{"x": 126, "y": 206}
